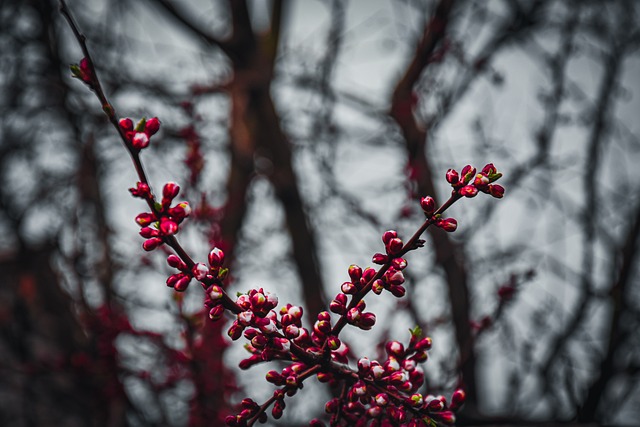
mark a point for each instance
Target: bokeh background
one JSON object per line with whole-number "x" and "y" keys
{"x": 299, "y": 132}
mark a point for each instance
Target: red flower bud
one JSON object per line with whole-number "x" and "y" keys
{"x": 200, "y": 271}
{"x": 367, "y": 320}
{"x": 235, "y": 331}
{"x": 333, "y": 343}
{"x": 447, "y": 224}
{"x": 348, "y": 288}
{"x": 428, "y": 205}
{"x": 398, "y": 291}
{"x": 182, "y": 284}
{"x": 125, "y": 124}
{"x": 395, "y": 348}
{"x": 399, "y": 263}
{"x": 142, "y": 191}
{"x": 151, "y": 126}
{"x": 379, "y": 259}
{"x": 278, "y": 408}
{"x": 170, "y": 190}
{"x": 468, "y": 191}
{"x": 148, "y": 232}
{"x": 446, "y": 417}
{"x": 378, "y": 287}
{"x": 457, "y": 399}
{"x": 332, "y": 406}
{"x": 216, "y": 312}
{"x": 151, "y": 244}
{"x": 496, "y": 191}
{"x": 140, "y": 140}
{"x": 388, "y": 235}
{"x": 424, "y": 344}
{"x": 452, "y": 177}
{"x": 394, "y": 246}
{"x": 467, "y": 174}
{"x": 216, "y": 257}
{"x": 145, "y": 219}
{"x": 168, "y": 227}
{"x": 489, "y": 169}
{"x": 355, "y": 272}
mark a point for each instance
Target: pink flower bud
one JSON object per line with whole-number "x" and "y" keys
{"x": 168, "y": 227}
{"x": 170, "y": 190}
{"x": 324, "y": 315}
{"x": 447, "y": 224}
{"x": 278, "y": 409}
{"x": 428, "y": 205}
{"x": 200, "y": 271}
{"x": 409, "y": 365}
{"x": 337, "y": 307}
{"x": 151, "y": 126}
{"x": 457, "y": 399}
{"x": 171, "y": 280}
{"x": 140, "y": 140}
{"x": 496, "y": 191}
{"x": 394, "y": 246}
{"x": 322, "y": 326}
{"x": 333, "y": 343}
{"x": 148, "y": 232}
{"x": 367, "y": 320}
{"x": 245, "y": 318}
{"x": 367, "y": 275}
{"x": 364, "y": 365}
{"x": 355, "y": 272}
{"x": 125, "y": 124}
{"x": 397, "y": 291}
{"x": 424, "y": 344}
{"x": 374, "y": 412}
{"x": 180, "y": 211}
{"x": 145, "y": 219}
{"x": 468, "y": 191}
{"x": 235, "y": 331}
{"x": 379, "y": 259}
{"x": 416, "y": 400}
{"x": 452, "y": 177}
{"x": 353, "y": 315}
{"x": 394, "y": 348}
{"x": 175, "y": 262}
{"x": 435, "y": 405}
{"x": 378, "y": 287}
{"x": 274, "y": 378}
{"x": 142, "y": 191}
{"x": 446, "y": 417}
{"x": 216, "y": 257}
{"x": 348, "y": 288}
{"x": 216, "y": 312}
{"x": 382, "y": 399}
{"x": 489, "y": 169}
{"x": 481, "y": 180}
{"x": 182, "y": 284}
{"x": 151, "y": 244}
{"x": 388, "y": 235}
{"x": 267, "y": 326}
{"x": 332, "y": 406}
{"x": 359, "y": 388}
{"x": 394, "y": 277}
{"x": 215, "y": 292}
{"x": 399, "y": 263}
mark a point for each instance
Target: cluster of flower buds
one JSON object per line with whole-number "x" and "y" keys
{"x": 140, "y": 135}
{"x": 249, "y": 409}
{"x": 82, "y": 71}
{"x": 386, "y": 393}
{"x": 468, "y": 183}
{"x": 156, "y": 226}
{"x": 393, "y": 278}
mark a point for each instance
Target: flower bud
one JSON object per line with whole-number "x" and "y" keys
{"x": 447, "y": 224}
{"x": 367, "y": 275}
{"x": 216, "y": 257}
{"x": 367, "y": 320}
{"x": 125, "y": 124}
{"x": 168, "y": 227}
{"x": 337, "y": 307}
{"x": 180, "y": 211}
{"x": 151, "y": 126}
{"x": 468, "y": 191}
{"x": 278, "y": 409}
{"x": 145, "y": 219}
{"x": 496, "y": 190}
{"x": 467, "y": 174}
{"x": 382, "y": 399}
{"x": 274, "y": 378}
{"x": 235, "y": 331}
{"x": 489, "y": 169}
{"x": 332, "y": 406}
{"x": 388, "y": 235}
{"x": 355, "y": 272}
{"x": 394, "y": 246}
{"x": 170, "y": 190}
{"x": 416, "y": 400}
{"x": 348, "y": 288}
{"x": 175, "y": 262}
{"x": 216, "y": 312}
{"x": 148, "y": 232}
{"x": 379, "y": 259}
{"x": 152, "y": 243}
{"x": 399, "y": 263}
{"x": 200, "y": 271}
{"x": 395, "y": 348}
{"x": 457, "y": 399}
{"x": 140, "y": 140}
{"x": 452, "y": 177}
{"x": 397, "y": 291}
{"x": 182, "y": 284}
{"x": 142, "y": 190}
{"x": 424, "y": 344}
{"x": 446, "y": 417}
{"x": 333, "y": 342}
{"x": 364, "y": 365}
{"x": 378, "y": 287}
{"x": 428, "y": 205}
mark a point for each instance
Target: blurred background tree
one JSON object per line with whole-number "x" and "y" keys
{"x": 299, "y": 131}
